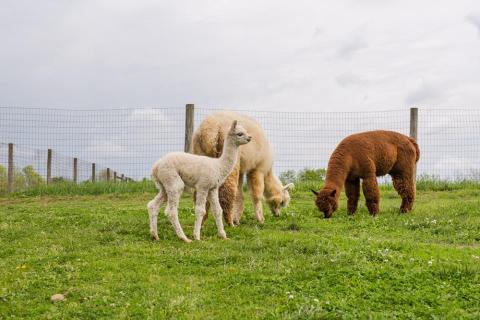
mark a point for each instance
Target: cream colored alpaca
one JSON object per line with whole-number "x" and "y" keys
{"x": 255, "y": 160}
{"x": 178, "y": 169}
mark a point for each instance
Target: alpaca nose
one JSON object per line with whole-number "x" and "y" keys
{"x": 249, "y": 138}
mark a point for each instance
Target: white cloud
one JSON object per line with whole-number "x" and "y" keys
{"x": 350, "y": 79}
{"x": 271, "y": 55}
{"x": 474, "y": 19}
{"x": 351, "y": 46}
{"x": 422, "y": 94}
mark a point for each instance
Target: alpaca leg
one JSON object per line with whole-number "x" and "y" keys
{"x": 217, "y": 211}
{"x": 153, "y": 209}
{"x": 238, "y": 207}
{"x": 405, "y": 186}
{"x": 207, "y": 208}
{"x": 228, "y": 193}
{"x": 171, "y": 211}
{"x": 372, "y": 194}
{"x": 352, "y": 189}
{"x": 256, "y": 185}
{"x": 200, "y": 201}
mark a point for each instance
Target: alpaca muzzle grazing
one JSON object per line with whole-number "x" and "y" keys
{"x": 326, "y": 201}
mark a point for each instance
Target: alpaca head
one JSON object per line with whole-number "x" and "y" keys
{"x": 238, "y": 134}
{"x": 278, "y": 202}
{"x": 326, "y": 201}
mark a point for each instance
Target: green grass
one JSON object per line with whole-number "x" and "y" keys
{"x": 96, "y": 250}
{"x": 86, "y": 188}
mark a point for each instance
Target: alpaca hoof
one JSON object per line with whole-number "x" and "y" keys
{"x": 351, "y": 211}
{"x": 186, "y": 240}
{"x": 154, "y": 237}
{"x": 223, "y": 235}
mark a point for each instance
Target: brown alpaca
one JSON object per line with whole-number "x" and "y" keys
{"x": 366, "y": 156}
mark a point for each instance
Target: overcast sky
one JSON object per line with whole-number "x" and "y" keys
{"x": 268, "y": 55}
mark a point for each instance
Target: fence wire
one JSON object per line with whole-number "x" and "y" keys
{"x": 450, "y": 143}
{"x": 128, "y": 141}
{"x": 306, "y": 140}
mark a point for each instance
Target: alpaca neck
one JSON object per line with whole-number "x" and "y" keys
{"x": 337, "y": 172}
{"x": 273, "y": 186}
{"x": 228, "y": 158}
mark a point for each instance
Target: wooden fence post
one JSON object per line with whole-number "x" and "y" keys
{"x": 122, "y": 177}
{"x": 189, "y": 119}
{"x": 49, "y": 166}
{"x": 75, "y": 170}
{"x": 414, "y": 130}
{"x": 10, "y": 186}
{"x": 114, "y": 176}
{"x": 93, "y": 172}
{"x": 108, "y": 174}
{"x": 414, "y": 123}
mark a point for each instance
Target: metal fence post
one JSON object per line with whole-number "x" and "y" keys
{"x": 10, "y": 168}
{"x": 189, "y": 119}
{"x": 49, "y": 166}
{"x": 414, "y": 123}
{"x": 114, "y": 176}
{"x": 93, "y": 172}
{"x": 108, "y": 174}
{"x": 75, "y": 170}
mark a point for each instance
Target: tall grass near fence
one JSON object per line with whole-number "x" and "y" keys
{"x": 65, "y": 188}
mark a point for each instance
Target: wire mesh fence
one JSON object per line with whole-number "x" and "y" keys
{"x": 128, "y": 141}
{"x": 305, "y": 140}
{"x": 450, "y": 143}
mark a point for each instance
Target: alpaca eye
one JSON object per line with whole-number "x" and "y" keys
{"x": 240, "y": 134}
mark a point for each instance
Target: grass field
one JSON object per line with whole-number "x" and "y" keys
{"x": 96, "y": 250}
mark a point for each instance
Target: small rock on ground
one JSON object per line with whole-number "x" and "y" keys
{"x": 57, "y": 297}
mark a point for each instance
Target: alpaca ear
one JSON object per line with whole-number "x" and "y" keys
{"x": 234, "y": 124}
{"x": 333, "y": 193}
{"x": 314, "y": 192}
{"x": 288, "y": 186}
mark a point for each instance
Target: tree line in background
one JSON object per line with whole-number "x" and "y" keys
{"x": 305, "y": 175}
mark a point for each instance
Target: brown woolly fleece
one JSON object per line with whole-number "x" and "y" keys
{"x": 365, "y": 156}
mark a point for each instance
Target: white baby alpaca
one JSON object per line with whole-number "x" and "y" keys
{"x": 178, "y": 169}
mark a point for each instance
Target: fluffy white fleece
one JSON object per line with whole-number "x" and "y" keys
{"x": 178, "y": 169}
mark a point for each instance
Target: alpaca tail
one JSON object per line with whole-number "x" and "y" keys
{"x": 155, "y": 178}
{"x": 417, "y": 149}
